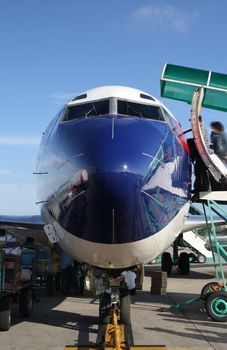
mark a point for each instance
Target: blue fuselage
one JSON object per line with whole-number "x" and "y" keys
{"x": 113, "y": 179}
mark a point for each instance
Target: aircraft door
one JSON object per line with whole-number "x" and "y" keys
{"x": 216, "y": 167}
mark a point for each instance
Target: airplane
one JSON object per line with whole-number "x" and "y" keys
{"x": 114, "y": 179}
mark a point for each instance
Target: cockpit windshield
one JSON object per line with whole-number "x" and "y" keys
{"x": 113, "y": 106}
{"x": 86, "y": 110}
{"x": 140, "y": 110}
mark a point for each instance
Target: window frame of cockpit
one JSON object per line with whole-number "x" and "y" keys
{"x": 113, "y": 108}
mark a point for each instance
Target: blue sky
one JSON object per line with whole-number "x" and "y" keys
{"x": 54, "y": 49}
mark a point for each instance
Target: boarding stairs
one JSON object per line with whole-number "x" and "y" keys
{"x": 196, "y": 244}
{"x": 201, "y": 88}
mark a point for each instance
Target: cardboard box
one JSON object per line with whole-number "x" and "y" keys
{"x": 158, "y": 280}
{"x": 158, "y": 283}
{"x": 159, "y": 275}
{"x": 12, "y": 273}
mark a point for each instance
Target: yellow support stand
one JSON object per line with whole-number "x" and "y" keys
{"x": 115, "y": 338}
{"x": 115, "y": 335}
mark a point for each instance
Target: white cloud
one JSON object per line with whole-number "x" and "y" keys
{"x": 61, "y": 97}
{"x": 19, "y": 140}
{"x": 164, "y": 17}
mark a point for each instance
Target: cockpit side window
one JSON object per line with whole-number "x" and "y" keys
{"x": 86, "y": 110}
{"x": 140, "y": 110}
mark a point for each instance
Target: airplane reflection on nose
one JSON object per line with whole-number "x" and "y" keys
{"x": 135, "y": 184}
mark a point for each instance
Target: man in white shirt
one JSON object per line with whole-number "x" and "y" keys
{"x": 130, "y": 279}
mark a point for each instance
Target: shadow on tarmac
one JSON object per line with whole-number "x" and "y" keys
{"x": 44, "y": 313}
{"x": 175, "y": 274}
{"x": 210, "y": 336}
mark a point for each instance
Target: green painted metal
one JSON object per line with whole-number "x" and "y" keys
{"x": 186, "y": 74}
{"x": 219, "y": 307}
{"x": 218, "y": 80}
{"x": 179, "y": 83}
{"x": 219, "y": 252}
{"x": 178, "y": 306}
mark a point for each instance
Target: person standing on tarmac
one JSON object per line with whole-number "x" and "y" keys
{"x": 69, "y": 275}
{"x": 130, "y": 279}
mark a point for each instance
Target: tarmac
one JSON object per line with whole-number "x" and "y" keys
{"x": 58, "y": 321}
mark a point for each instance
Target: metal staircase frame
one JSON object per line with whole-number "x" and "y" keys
{"x": 218, "y": 249}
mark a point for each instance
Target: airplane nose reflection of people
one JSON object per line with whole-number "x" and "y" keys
{"x": 141, "y": 191}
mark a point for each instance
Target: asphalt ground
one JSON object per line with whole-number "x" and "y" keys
{"x": 58, "y": 321}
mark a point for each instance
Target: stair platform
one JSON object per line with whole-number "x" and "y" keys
{"x": 217, "y": 196}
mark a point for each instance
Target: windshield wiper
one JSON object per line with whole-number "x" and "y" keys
{"x": 140, "y": 114}
{"x": 91, "y": 110}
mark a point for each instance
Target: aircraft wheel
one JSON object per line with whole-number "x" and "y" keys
{"x": 216, "y": 306}
{"x": 125, "y": 312}
{"x": 5, "y": 314}
{"x": 184, "y": 263}
{"x": 104, "y": 308}
{"x": 192, "y": 257}
{"x": 201, "y": 259}
{"x": 208, "y": 289}
{"x": 26, "y": 302}
{"x": 167, "y": 262}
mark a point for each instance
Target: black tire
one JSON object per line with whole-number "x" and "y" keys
{"x": 26, "y": 302}
{"x": 201, "y": 259}
{"x": 167, "y": 262}
{"x": 207, "y": 290}
{"x": 192, "y": 257}
{"x": 5, "y": 313}
{"x": 184, "y": 263}
{"x": 104, "y": 308}
{"x": 50, "y": 285}
{"x": 216, "y": 306}
{"x": 125, "y": 308}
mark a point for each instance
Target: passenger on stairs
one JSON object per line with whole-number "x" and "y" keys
{"x": 202, "y": 176}
{"x": 218, "y": 139}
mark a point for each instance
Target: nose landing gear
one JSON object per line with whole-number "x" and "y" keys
{"x": 182, "y": 261}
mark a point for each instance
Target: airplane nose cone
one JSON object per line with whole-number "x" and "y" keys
{"x": 118, "y": 202}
